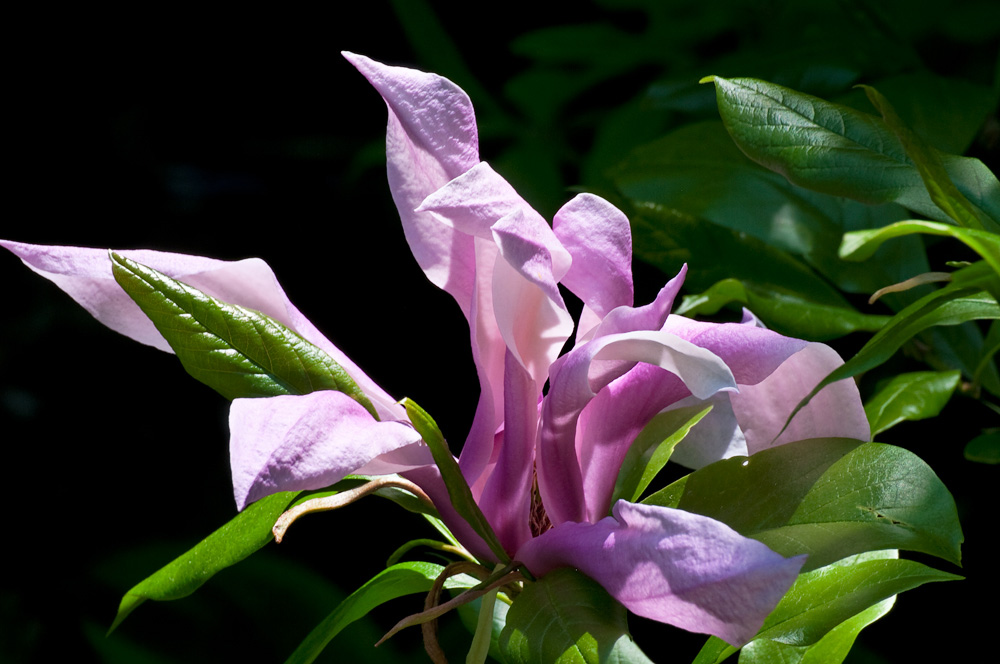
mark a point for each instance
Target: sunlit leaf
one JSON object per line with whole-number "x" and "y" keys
{"x": 234, "y": 350}
{"x": 402, "y": 579}
{"x": 838, "y": 150}
{"x": 458, "y": 488}
{"x": 910, "y": 396}
{"x": 247, "y": 532}
{"x": 652, "y": 449}
{"x": 828, "y": 497}
{"x": 860, "y": 245}
{"x": 817, "y": 619}
{"x": 567, "y": 618}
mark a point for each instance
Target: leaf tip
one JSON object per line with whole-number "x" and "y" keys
{"x": 707, "y": 79}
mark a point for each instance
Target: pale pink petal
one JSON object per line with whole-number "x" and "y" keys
{"x": 431, "y": 139}
{"x": 293, "y": 443}
{"x": 85, "y": 275}
{"x": 672, "y": 566}
{"x": 763, "y": 409}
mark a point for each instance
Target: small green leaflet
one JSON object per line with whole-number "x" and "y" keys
{"x": 236, "y": 351}
{"x": 910, "y": 396}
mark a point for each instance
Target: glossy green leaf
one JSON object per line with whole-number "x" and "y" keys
{"x": 651, "y": 450}
{"x": 407, "y": 578}
{"x": 821, "y": 614}
{"x": 458, "y": 489}
{"x": 246, "y": 533}
{"x": 783, "y": 311}
{"x": 698, "y": 171}
{"x": 930, "y": 165}
{"x": 234, "y": 350}
{"x": 828, "y": 497}
{"x": 860, "y": 245}
{"x": 910, "y": 396}
{"x": 567, "y": 618}
{"x": 984, "y": 448}
{"x": 838, "y": 150}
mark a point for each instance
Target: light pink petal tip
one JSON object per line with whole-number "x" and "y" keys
{"x": 672, "y": 566}
{"x": 294, "y": 443}
{"x": 84, "y": 273}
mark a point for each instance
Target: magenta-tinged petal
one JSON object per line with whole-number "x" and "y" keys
{"x": 836, "y": 411}
{"x": 575, "y": 380}
{"x": 85, "y": 275}
{"x": 292, "y": 443}
{"x": 752, "y": 353}
{"x": 506, "y": 498}
{"x": 431, "y": 139}
{"x": 598, "y": 236}
{"x": 672, "y": 566}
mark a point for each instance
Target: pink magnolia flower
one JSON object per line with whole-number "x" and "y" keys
{"x": 541, "y": 463}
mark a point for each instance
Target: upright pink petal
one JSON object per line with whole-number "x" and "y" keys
{"x": 85, "y": 275}
{"x": 598, "y": 237}
{"x": 293, "y": 443}
{"x": 431, "y": 139}
{"x": 672, "y": 566}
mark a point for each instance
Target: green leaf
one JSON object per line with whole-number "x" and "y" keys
{"x": 930, "y": 165}
{"x": 860, "y": 245}
{"x": 651, "y": 450}
{"x": 698, "y": 171}
{"x": 838, "y": 150}
{"x": 910, "y": 396}
{"x": 984, "y": 448}
{"x": 234, "y": 350}
{"x": 458, "y": 489}
{"x": 246, "y": 533}
{"x": 668, "y": 238}
{"x": 406, "y": 578}
{"x": 567, "y": 618}
{"x": 786, "y": 312}
{"x": 822, "y": 600}
{"x": 828, "y": 497}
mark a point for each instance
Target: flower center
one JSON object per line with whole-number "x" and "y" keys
{"x": 539, "y": 520}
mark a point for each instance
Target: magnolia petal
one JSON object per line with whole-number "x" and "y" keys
{"x": 672, "y": 566}
{"x": 836, "y": 411}
{"x": 610, "y": 423}
{"x": 294, "y": 443}
{"x": 85, "y": 275}
{"x": 578, "y": 376}
{"x": 752, "y": 353}
{"x": 506, "y": 498}
{"x": 599, "y": 238}
{"x": 431, "y": 139}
